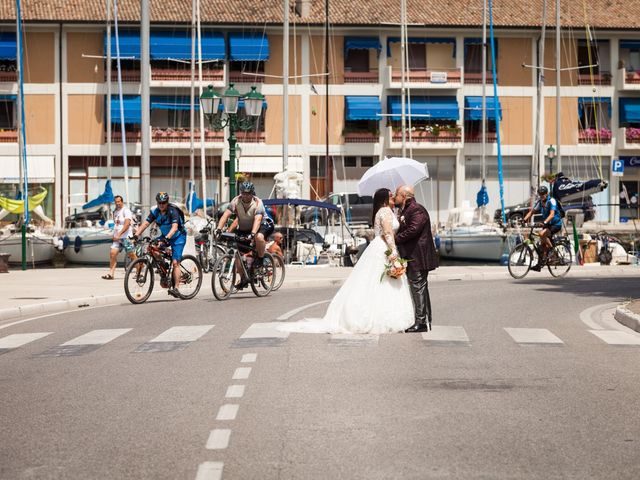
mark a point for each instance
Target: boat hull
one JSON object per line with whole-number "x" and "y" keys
{"x": 89, "y": 246}
{"x": 472, "y": 246}
{"x": 40, "y": 248}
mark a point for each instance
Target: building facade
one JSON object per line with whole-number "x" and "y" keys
{"x": 66, "y": 111}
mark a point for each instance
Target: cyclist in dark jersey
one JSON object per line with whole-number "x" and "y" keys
{"x": 552, "y": 222}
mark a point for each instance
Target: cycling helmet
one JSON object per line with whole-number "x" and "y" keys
{"x": 247, "y": 187}
{"x": 162, "y": 197}
{"x": 542, "y": 190}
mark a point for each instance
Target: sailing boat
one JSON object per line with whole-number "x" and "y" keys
{"x": 468, "y": 234}
{"x": 24, "y": 242}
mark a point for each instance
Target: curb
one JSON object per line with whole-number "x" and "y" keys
{"x": 627, "y": 318}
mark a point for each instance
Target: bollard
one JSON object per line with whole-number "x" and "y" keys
{"x": 4, "y": 262}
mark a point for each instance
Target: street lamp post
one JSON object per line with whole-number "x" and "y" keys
{"x": 228, "y": 117}
{"x": 551, "y": 154}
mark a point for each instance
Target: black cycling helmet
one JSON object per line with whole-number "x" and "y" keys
{"x": 543, "y": 190}
{"x": 247, "y": 187}
{"x": 162, "y": 197}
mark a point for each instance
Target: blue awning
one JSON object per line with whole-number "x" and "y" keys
{"x": 473, "y": 108}
{"x": 630, "y": 44}
{"x": 582, "y": 101}
{"x": 362, "y": 43}
{"x": 173, "y": 103}
{"x": 129, "y": 44}
{"x": 452, "y": 41}
{"x": 8, "y": 46}
{"x": 629, "y": 110}
{"x": 425, "y": 108}
{"x": 362, "y": 108}
{"x": 248, "y": 47}
{"x": 132, "y": 109}
{"x": 164, "y": 44}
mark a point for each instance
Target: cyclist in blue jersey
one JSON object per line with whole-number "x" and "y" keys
{"x": 170, "y": 221}
{"x": 552, "y": 221}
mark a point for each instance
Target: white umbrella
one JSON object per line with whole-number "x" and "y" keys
{"x": 392, "y": 173}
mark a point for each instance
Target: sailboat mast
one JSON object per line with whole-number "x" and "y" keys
{"x": 145, "y": 80}
{"x": 558, "y": 124}
{"x": 109, "y": 153}
{"x": 24, "y": 173}
{"x": 326, "y": 88}
{"x": 285, "y": 87}
{"x": 121, "y": 99}
{"x": 403, "y": 92}
{"x": 483, "y": 172}
{"x": 538, "y": 154}
{"x": 192, "y": 111}
{"x": 203, "y": 157}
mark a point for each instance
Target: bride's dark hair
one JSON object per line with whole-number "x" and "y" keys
{"x": 380, "y": 199}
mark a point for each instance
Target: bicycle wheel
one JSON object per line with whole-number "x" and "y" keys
{"x": 279, "y": 272}
{"x": 263, "y": 277}
{"x": 223, "y": 278}
{"x": 138, "y": 280}
{"x": 559, "y": 261}
{"x": 190, "y": 277}
{"x": 520, "y": 258}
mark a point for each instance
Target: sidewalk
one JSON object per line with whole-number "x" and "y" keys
{"x": 47, "y": 290}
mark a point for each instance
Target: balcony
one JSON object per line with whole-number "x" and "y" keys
{"x": 629, "y": 79}
{"x": 8, "y": 76}
{"x": 594, "y": 136}
{"x": 629, "y": 138}
{"x": 9, "y": 135}
{"x": 250, "y": 137}
{"x": 361, "y": 137}
{"x": 133, "y": 136}
{"x": 422, "y": 139}
{"x": 475, "y": 137}
{"x": 475, "y": 78}
{"x": 184, "y": 74}
{"x": 246, "y": 77}
{"x": 602, "y": 78}
{"x": 431, "y": 78}
{"x": 128, "y": 76}
{"x": 183, "y": 135}
{"x": 361, "y": 77}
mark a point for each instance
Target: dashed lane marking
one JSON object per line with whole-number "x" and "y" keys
{"x": 241, "y": 373}
{"x": 249, "y": 358}
{"x": 228, "y": 411}
{"x": 235, "y": 391}
{"x": 218, "y": 439}
{"x": 210, "y": 471}
{"x": 534, "y": 336}
{"x": 446, "y": 335}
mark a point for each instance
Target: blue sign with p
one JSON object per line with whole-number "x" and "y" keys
{"x": 617, "y": 167}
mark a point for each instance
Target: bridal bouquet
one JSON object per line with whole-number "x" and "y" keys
{"x": 395, "y": 267}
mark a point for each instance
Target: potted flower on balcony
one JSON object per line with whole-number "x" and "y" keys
{"x": 632, "y": 134}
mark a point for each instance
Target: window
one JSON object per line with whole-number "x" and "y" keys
{"x": 318, "y": 167}
{"x": 350, "y": 161}
{"x": 357, "y": 61}
{"x": 178, "y": 118}
{"x": 473, "y": 58}
{"x": 366, "y": 161}
{"x": 417, "y": 56}
{"x": 243, "y": 71}
{"x": 7, "y": 114}
{"x": 586, "y": 58}
{"x": 595, "y": 115}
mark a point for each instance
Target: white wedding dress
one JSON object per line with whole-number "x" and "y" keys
{"x": 364, "y": 303}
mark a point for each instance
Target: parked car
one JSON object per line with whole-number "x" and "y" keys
{"x": 357, "y": 209}
{"x": 515, "y": 213}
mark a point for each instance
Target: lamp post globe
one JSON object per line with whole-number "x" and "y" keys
{"x": 230, "y": 100}
{"x": 210, "y": 102}
{"x": 253, "y": 102}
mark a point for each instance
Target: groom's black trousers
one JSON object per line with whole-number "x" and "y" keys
{"x": 420, "y": 294}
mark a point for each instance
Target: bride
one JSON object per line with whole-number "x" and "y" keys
{"x": 366, "y": 303}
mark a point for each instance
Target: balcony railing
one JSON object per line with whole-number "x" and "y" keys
{"x": 8, "y": 76}
{"x": 602, "y": 78}
{"x": 133, "y": 136}
{"x": 361, "y": 137}
{"x": 421, "y": 136}
{"x": 250, "y": 137}
{"x": 179, "y": 135}
{"x": 433, "y": 77}
{"x": 593, "y": 136}
{"x": 361, "y": 77}
{"x": 629, "y": 137}
{"x": 129, "y": 76}
{"x": 632, "y": 77}
{"x": 473, "y": 78}
{"x": 9, "y": 135}
{"x": 182, "y": 74}
{"x": 474, "y": 137}
{"x": 246, "y": 77}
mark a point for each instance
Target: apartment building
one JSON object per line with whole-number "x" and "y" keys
{"x": 66, "y": 112}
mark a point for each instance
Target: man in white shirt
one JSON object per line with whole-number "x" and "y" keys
{"x": 122, "y": 229}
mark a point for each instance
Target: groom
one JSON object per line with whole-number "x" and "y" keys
{"x": 415, "y": 243}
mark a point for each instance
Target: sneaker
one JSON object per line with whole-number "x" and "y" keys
{"x": 258, "y": 262}
{"x": 242, "y": 285}
{"x": 537, "y": 268}
{"x": 173, "y": 292}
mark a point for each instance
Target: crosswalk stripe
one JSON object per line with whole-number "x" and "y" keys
{"x": 446, "y": 334}
{"x": 210, "y": 471}
{"x": 249, "y": 358}
{"x": 235, "y": 391}
{"x": 264, "y": 330}
{"x": 182, "y": 334}
{"x": 616, "y": 337}
{"x": 218, "y": 439}
{"x": 97, "y": 337}
{"x": 19, "y": 339}
{"x": 533, "y": 336}
{"x": 228, "y": 412}
{"x": 241, "y": 373}
{"x": 354, "y": 339}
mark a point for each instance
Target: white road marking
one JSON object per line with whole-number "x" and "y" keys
{"x": 218, "y": 439}
{"x": 291, "y": 313}
{"x": 84, "y": 309}
{"x": 235, "y": 391}
{"x": 616, "y": 337}
{"x": 249, "y": 358}
{"x": 264, "y": 330}
{"x": 241, "y": 373}
{"x": 228, "y": 411}
{"x": 446, "y": 333}
{"x": 533, "y": 336}
{"x": 97, "y": 337}
{"x": 210, "y": 471}
{"x": 356, "y": 338}
{"x": 587, "y": 315}
{"x": 18, "y": 339}
{"x": 182, "y": 334}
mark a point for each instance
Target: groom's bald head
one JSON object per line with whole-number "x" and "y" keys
{"x": 405, "y": 191}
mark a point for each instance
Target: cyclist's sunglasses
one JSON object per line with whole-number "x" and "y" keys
{"x": 163, "y": 203}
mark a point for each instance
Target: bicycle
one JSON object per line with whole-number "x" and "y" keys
{"x": 207, "y": 248}
{"x": 139, "y": 278}
{"x": 279, "y": 271}
{"x": 232, "y": 264}
{"x": 558, "y": 259}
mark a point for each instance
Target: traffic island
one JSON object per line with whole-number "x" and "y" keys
{"x": 628, "y": 314}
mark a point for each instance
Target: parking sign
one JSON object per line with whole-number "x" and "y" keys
{"x": 617, "y": 167}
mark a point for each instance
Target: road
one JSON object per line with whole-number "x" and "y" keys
{"x": 199, "y": 389}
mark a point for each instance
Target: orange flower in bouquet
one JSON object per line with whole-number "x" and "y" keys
{"x": 395, "y": 267}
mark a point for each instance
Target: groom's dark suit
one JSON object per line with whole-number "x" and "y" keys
{"x": 415, "y": 242}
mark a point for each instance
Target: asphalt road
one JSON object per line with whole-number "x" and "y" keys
{"x": 120, "y": 392}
